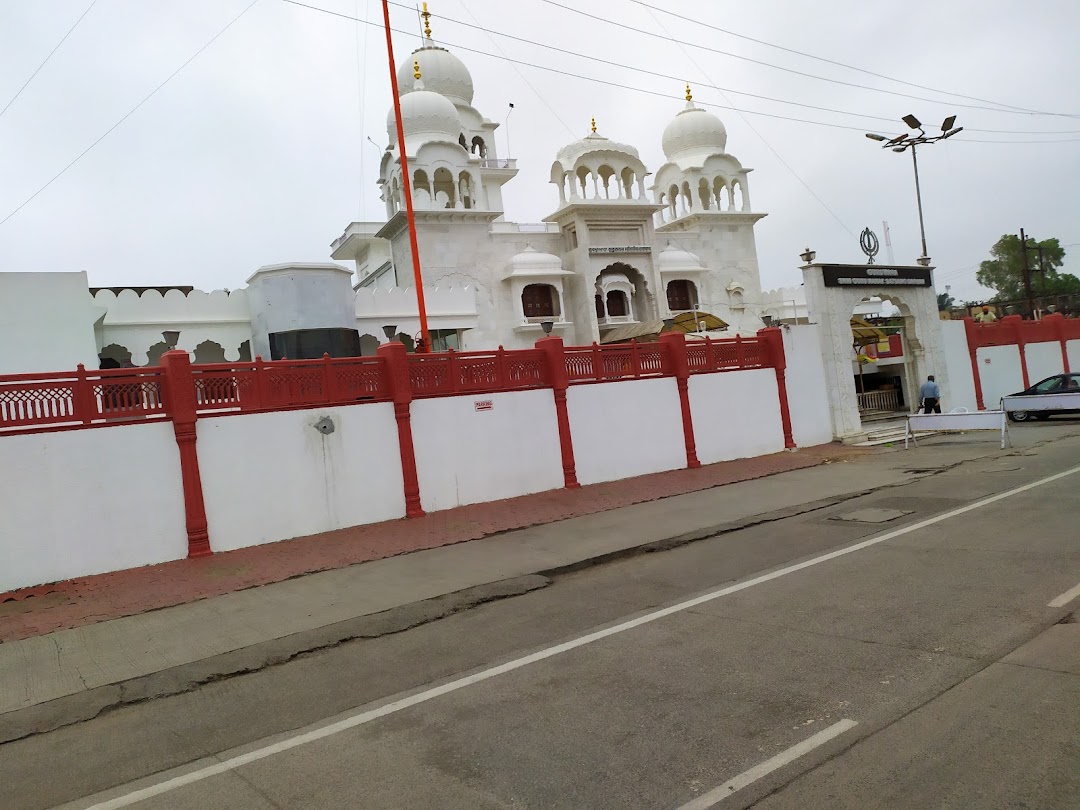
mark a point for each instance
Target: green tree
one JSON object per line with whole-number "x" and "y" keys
{"x": 1004, "y": 271}
{"x": 945, "y": 301}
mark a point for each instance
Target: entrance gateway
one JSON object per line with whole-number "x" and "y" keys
{"x": 833, "y": 291}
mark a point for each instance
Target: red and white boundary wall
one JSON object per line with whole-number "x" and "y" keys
{"x": 108, "y": 470}
{"x": 989, "y": 361}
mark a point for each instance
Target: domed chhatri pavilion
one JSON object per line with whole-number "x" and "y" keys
{"x": 623, "y": 250}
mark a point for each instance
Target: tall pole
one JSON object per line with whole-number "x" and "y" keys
{"x": 918, "y": 199}
{"x": 406, "y": 185}
{"x": 1027, "y": 274}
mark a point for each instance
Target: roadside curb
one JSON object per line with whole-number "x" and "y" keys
{"x": 91, "y": 703}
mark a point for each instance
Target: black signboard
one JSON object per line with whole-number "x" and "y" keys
{"x": 874, "y": 275}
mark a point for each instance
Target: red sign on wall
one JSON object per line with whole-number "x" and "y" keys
{"x": 483, "y": 404}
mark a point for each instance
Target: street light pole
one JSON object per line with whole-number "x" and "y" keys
{"x": 901, "y": 143}
{"x": 918, "y": 198}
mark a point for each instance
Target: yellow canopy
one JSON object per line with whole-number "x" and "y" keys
{"x": 697, "y": 322}
{"x": 865, "y": 333}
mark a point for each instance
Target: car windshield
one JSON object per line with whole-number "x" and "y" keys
{"x": 1048, "y": 385}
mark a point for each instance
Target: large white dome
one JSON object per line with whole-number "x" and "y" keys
{"x": 425, "y": 117}
{"x": 694, "y": 132}
{"x": 443, "y": 73}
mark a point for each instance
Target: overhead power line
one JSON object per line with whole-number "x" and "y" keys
{"x": 626, "y": 27}
{"x": 63, "y": 39}
{"x": 729, "y": 32}
{"x": 624, "y": 66}
{"x": 571, "y": 74}
{"x": 131, "y": 112}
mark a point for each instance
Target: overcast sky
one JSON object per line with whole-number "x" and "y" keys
{"x": 256, "y": 153}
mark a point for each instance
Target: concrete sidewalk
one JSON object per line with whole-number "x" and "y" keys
{"x": 70, "y": 675}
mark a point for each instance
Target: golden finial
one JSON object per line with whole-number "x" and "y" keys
{"x": 594, "y": 126}
{"x": 416, "y": 69}
{"x": 689, "y": 95}
{"x": 427, "y": 21}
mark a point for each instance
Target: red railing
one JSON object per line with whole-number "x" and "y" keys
{"x": 72, "y": 399}
{"x": 443, "y": 374}
{"x": 81, "y": 398}
{"x": 618, "y": 362}
{"x": 726, "y": 355}
{"x": 284, "y": 384}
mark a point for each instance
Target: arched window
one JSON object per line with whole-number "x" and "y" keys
{"x": 688, "y": 198}
{"x": 600, "y": 312}
{"x": 616, "y": 304}
{"x": 681, "y": 295}
{"x": 583, "y": 181}
{"x": 420, "y": 181}
{"x": 444, "y": 189}
{"x": 539, "y": 301}
{"x": 209, "y": 352}
{"x": 628, "y": 183}
{"x": 737, "y": 195}
{"x": 610, "y": 189}
{"x": 464, "y": 143}
{"x": 465, "y": 190}
{"x": 478, "y": 147}
{"x": 719, "y": 192}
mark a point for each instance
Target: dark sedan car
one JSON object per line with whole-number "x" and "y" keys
{"x": 1058, "y": 384}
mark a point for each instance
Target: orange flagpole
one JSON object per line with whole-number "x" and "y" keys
{"x": 406, "y": 185}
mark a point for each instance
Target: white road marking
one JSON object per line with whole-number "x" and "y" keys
{"x": 361, "y": 718}
{"x": 1066, "y": 597}
{"x": 717, "y": 795}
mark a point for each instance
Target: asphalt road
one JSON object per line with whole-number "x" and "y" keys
{"x": 927, "y": 661}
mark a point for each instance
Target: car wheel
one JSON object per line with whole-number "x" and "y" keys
{"x": 1018, "y": 416}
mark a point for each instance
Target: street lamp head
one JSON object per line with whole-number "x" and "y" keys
{"x": 389, "y": 330}
{"x": 952, "y": 132}
{"x": 546, "y": 326}
{"x": 875, "y": 137}
{"x": 948, "y": 123}
{"x": 808, "y": 256}
{"x": 899, "y": 148}
{"x": 895, "y": 140}
{"x": 912, "y": 121}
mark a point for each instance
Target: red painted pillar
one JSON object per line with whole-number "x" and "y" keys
{"x": 675, "y": 343}
{"x": 556, "y": 370}
{"x": 970, "y": 331}
{"x": 1057, "y": 320}
{"x": 1017, "y": 324}
{"x": 774, "y": 341}
{"x": 180, "y": 390}
{"x": 397, "y": 377}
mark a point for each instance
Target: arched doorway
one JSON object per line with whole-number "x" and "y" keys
{"x": 622, "y": 296}
{"x": 833, "y": 294}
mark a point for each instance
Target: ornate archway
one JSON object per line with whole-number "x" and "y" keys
{"x": 832, "y": 293}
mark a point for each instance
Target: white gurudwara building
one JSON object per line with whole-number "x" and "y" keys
{"x": 623, "y": 250}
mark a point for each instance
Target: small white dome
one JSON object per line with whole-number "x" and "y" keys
{"x": 570, "y": 154}
{"x": 673, "y": 259}
{"x": 694, "y": 132}
{"x": 443, "y": 73}
{"x": 532, "y": 262}
{"x": 425, "y": 117}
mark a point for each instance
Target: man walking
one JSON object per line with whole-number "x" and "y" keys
{"x": 930, "y": 396}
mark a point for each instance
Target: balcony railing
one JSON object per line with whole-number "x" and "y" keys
{"x": 887, "y": 400}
